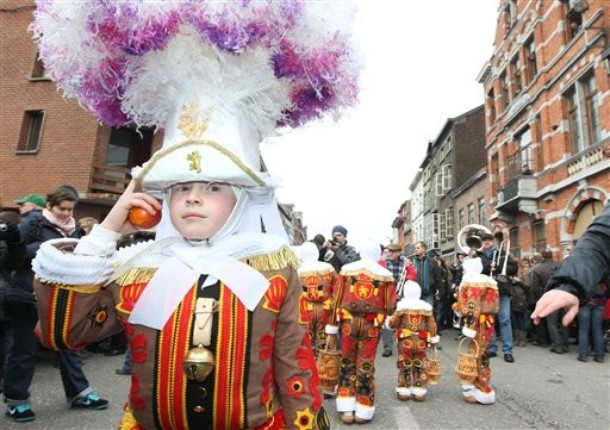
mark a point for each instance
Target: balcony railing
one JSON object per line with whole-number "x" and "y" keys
{"x": 519, "y": 194}
{"x": 109, "y": 179}
{"x": 587, "y": 159}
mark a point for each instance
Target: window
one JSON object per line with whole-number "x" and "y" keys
{"x": 491, "y": 105}
{"x": 495, "y": 173}
{"x": 461, "y": 219}
{"x": 539, "y": 236}
{"x": 482, "y": 212}
{"x": 449, "y": 222}
{"x": 504, "y": 89}
{"x": 530, "y": 56}
{"x": 526, "y": 162}
{"x": 435, "y": 235}
{"x": 574, "y": 23}
{"x": 447, "y": 171}
{"x": 439, "y": 184}
{"x": 442, "y": 220}
{"x": 583, "y": 112}
{"x": 515, "y": 66}
{"x": 39, "y": 71}
{"x": 31, "y": 131}
{"x": 471, "y": 213}
{"x": 510, "y": 14}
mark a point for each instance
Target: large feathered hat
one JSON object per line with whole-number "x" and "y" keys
{"x": 217, "y": 76}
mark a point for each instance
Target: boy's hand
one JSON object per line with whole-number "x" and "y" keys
{"x": 116, "y": 220}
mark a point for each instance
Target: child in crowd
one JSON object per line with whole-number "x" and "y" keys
{"x": 478, "y": 301}
{"x": 365, "y": 294}
{"x": 416, "y": 331}
{"x": 317, "y": 279}
{"x": 210, "y": 307}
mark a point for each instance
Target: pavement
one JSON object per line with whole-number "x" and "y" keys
{"x": 540, "y": 390}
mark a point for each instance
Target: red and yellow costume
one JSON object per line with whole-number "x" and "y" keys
{"x": 478, "y": 301}
{"x": 317, "y": 279}
{"x": 314, "y": 304}
{"x": 264, "y": 374}
{"x": 365, "y": 294}
{"x": 415, "y": 331}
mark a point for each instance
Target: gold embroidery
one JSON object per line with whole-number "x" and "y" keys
{"x": 195, "y": 159}
{"x": 193, "y": 122}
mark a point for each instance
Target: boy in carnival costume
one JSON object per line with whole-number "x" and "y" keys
{"x": 478, "y": 301}
{"x": 317, "y": 279}
{"x": 415, "y": 331}
{"x": 211, "y": 306}
{"x": 364, "y": 295}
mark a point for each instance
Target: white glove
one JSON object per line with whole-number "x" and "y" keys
{"x": 331, "y": 329}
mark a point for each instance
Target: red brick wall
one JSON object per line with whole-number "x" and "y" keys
{"x": 69, "y": 133}
{"x": 559, "y": 66}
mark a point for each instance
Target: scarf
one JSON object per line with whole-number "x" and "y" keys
{"x": 66, "y": 227}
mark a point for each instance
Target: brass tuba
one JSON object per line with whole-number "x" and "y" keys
{"x": 469, "y": 237}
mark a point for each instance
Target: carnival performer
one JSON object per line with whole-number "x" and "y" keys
{"x": 365, "y": 294}
{"x": 210, "y": 307}
{"x": 317, "y": 279}
{"x": 478, "y": 301}
{"x": 416, "y": 332}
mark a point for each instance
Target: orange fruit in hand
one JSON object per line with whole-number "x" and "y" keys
{"x": 138, "y": 217}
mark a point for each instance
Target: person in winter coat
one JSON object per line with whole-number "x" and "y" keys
{"x": 53, "y": 222}
{"x": 579, "y": 273}
{"x": 338, "y": 252}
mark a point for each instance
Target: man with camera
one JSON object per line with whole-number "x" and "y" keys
{"x": 338, "y": 252}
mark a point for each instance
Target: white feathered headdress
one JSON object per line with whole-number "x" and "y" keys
{"x": 216, "y": 76}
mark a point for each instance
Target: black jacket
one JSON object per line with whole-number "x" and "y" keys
{"x": 589, "y": 262}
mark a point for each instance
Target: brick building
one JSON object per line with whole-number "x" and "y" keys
{"x": 47, "y": 141}
{"x": 470, "y": 203}
{"x": 451, "y": 159}
{"x": 547, "y": 109}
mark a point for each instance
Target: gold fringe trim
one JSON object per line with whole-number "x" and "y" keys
{"x": 275, "y": 261}
{"x": 87, "y": 289}
{"x": 372, "y": 275}
{"x": 268, "y": 262}
{"x": 316, "y": 273}
{"x": 137, "y": 275}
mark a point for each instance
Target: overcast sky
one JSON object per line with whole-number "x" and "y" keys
{"x": 421, "y": 61}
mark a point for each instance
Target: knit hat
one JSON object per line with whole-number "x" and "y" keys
{"x": 339, "y": 229}
{"x": 36, "y": 199}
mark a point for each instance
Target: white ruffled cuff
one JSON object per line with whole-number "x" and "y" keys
{"x": 56, "y": 266}
{"x": 435, "y": 339}
{"x": 468, "y": 332}
{"x": 331, "y": 329}
{"x": 100, "y": 242}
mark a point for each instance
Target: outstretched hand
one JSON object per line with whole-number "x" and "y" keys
{"x": 116, "y": 220}
{"x": 554, "y": 300}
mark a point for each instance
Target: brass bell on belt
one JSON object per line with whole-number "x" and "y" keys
{"x": 198, "y": 363}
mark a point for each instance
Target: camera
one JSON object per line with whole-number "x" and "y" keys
{"x": 333, "y": 242}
